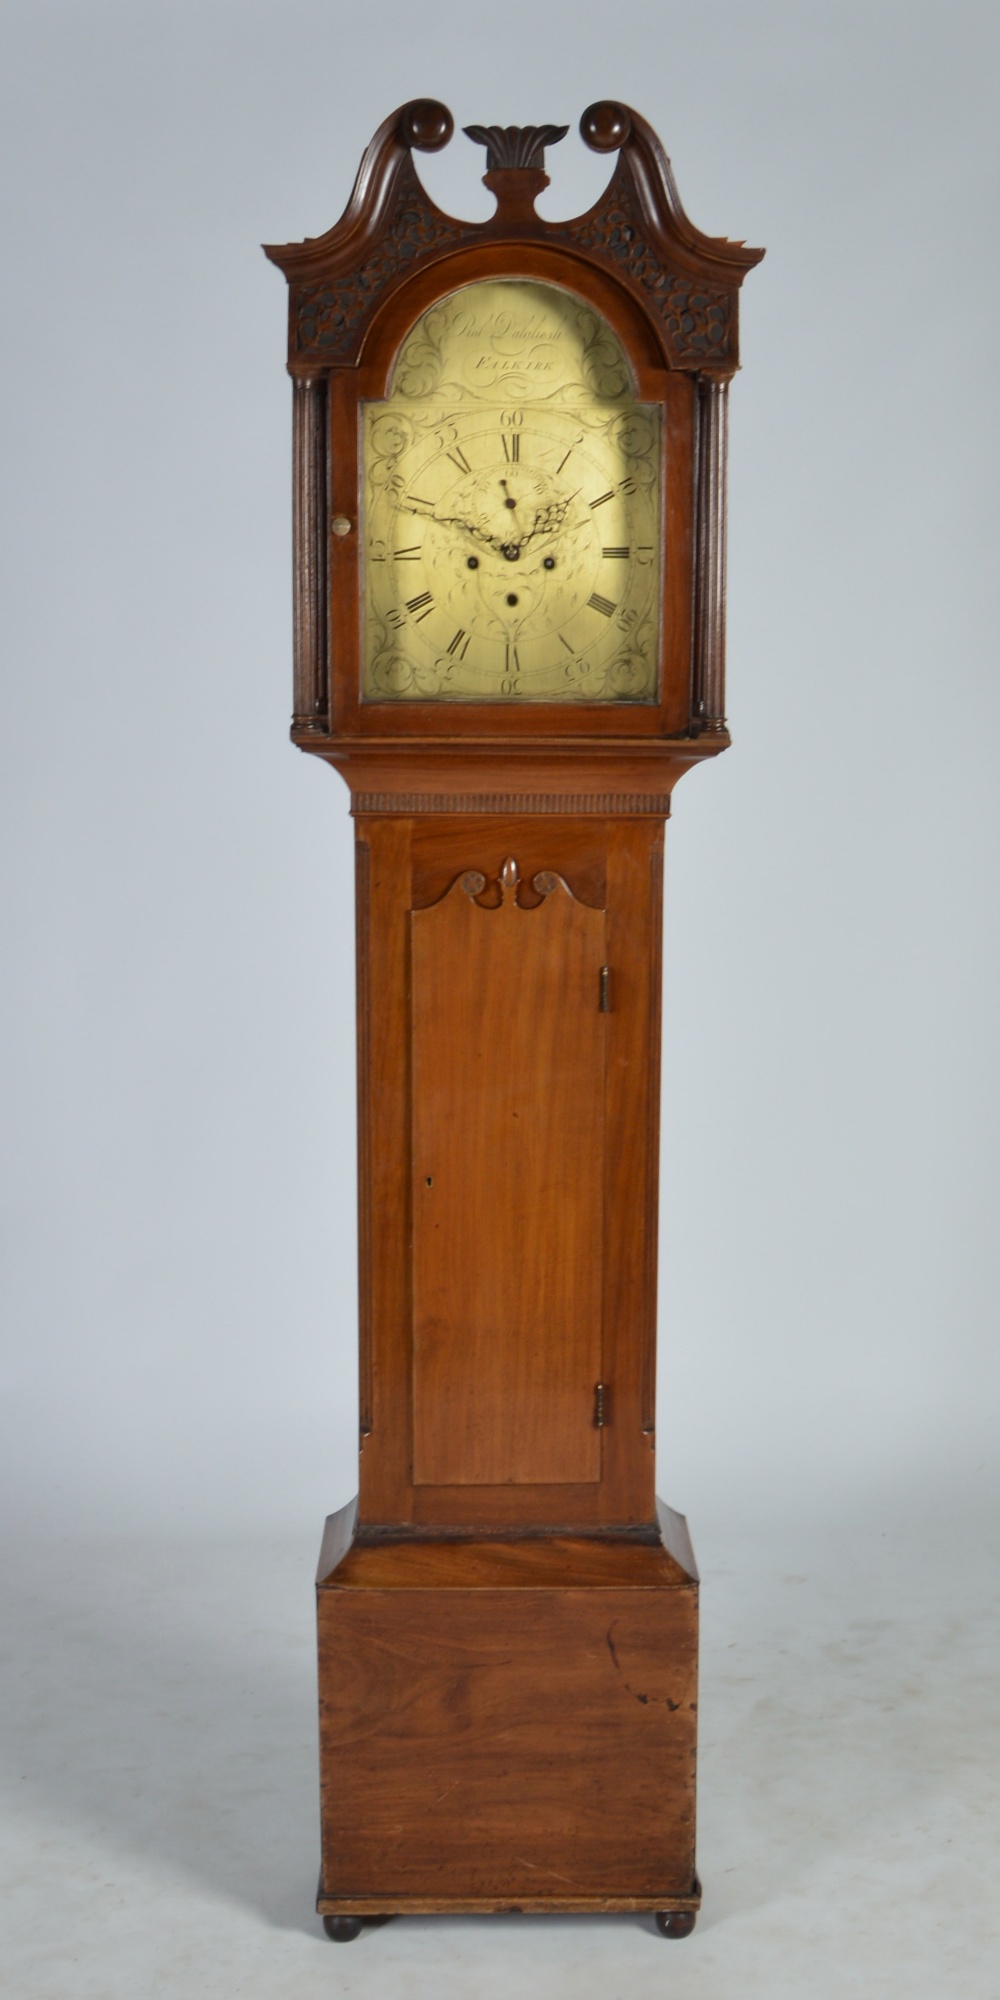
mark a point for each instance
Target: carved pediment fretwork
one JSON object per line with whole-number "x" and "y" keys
{"x": 329, "y": 316}
{"x": 697, "y": 316}
{"x": 687, "y": 282}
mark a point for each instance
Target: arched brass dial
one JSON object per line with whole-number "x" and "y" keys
{"x": 511, "y": 515}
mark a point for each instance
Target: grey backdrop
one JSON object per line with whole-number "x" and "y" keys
{"x": 179, "y": 1327}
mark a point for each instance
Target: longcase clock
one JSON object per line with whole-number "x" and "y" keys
{"x": 509, "y": 505}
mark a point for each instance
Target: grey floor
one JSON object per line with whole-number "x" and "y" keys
{"x": 159, "y": 1825}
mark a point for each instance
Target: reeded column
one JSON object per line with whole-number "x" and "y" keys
{"x": 709, "y": 703}
{"x": 309, "y": 551}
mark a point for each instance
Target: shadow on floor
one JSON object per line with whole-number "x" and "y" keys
{"x": 166, "y": 1699}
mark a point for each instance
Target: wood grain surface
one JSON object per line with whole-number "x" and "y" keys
{"x": 496, "y": 1298}
{"x": 513, "y": 1742}
{"x": 508, "y": 1184}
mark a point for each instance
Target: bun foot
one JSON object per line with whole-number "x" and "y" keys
{"x": 676, "y": 1923}
{"x": 342, "y": 1929}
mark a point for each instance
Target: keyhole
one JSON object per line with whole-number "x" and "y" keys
{"x": 429, "y": 1181}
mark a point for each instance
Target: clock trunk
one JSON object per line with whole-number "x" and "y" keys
{"x": 508, "y": 1095}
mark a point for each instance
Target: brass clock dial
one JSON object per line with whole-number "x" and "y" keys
{"x": 511, "y": 509}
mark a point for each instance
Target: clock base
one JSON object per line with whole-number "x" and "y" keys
{"x": 508, "y": 1723}
{"x": 676, "y": 1923}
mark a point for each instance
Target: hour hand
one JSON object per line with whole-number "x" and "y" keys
{"x": 469, "y": 527}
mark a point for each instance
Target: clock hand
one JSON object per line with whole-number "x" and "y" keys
{"x": 548, "y": 520}
{"x": 455, "y": 521}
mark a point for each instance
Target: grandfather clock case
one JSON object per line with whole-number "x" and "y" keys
{"x": 509, "y": 555}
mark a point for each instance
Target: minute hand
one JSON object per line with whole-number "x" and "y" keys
{"x": 456, "y": 521}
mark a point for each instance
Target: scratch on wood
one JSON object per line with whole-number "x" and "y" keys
{"x": 663, "y": 1701}
{"x": 536, "y": 1869}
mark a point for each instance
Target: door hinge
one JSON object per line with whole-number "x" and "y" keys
{"x": 604, "y": 1003}
{"x": 599, "y": 1418}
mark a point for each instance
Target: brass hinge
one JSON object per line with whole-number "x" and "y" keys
{"x": 598, "y": 1406}
{"x": 604, "y": 1003}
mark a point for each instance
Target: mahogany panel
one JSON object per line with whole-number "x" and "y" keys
{"x": 565, "y": 1507}
{"x": 634, "y": 894}
{"x": 574, "y": 848}
{"x": 508, "y": 1154}
{"x": 383, "y": 1181}
{"x": 508, "y": 1743}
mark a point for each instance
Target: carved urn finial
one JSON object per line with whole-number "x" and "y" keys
{"x": 517, "y": 146}
{"x": 515, "y": 165}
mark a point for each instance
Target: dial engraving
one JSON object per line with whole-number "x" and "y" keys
{"x": 513, "y": 437}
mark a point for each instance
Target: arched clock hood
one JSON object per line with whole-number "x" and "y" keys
{"x": 671, "y": 295}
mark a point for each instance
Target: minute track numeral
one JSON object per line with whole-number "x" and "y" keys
{"x": 417, "y": 604}
{"x": 601, "y": 604}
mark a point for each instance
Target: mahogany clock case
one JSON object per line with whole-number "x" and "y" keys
{"x": 507, "y": 1616}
